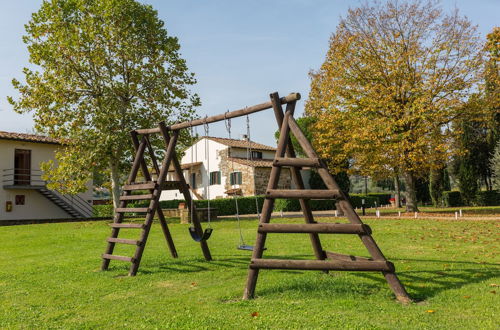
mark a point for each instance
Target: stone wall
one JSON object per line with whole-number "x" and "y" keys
{"x": 247, "y": 174}
{"x": 262, "y": 178}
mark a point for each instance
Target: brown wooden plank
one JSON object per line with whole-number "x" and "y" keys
{"x": 293, "y": 97}
{"x": 171, "y": 185}
{"x": 184, "y": 189}
{"x": 147, "y": 130}
{"x": 319, "y": 228}
{"x": 267, "y": 208}
{"x": 322, "y": 265}
{"x": 154, "y": 203}
{"x": 297, "y": 178}
{"x": 127, "y": 225}
{"x": 296, "y": 162}
{"x": 132, "y": 209}
{"x": 135, "y": 197}
{"x": 115, "y": 257}
{"x": 118, "y": 218}
{"x": 140, "y": 186}
{"x": 123, "y": 241}
{"x": 303, "y": 193}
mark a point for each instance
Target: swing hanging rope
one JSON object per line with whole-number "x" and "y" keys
{"x": 232, "y": 178}
{"x": 192, "y": 230}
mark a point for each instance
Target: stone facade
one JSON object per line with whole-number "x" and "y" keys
{"x": 262, "y": 178}
{"x": 227, "y": 166}
{"x": 254, "y": 179}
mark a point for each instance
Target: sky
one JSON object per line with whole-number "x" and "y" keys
{"x": 240, "y": 51}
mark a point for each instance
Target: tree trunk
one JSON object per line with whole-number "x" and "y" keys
{"x": 411, "y": 192}
{"x": 115, "y": 183}
{"x": 397, "y": 195}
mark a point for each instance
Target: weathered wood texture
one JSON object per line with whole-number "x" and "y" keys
{"x": 319, "y": 228}
{"x": 335, "y": 261}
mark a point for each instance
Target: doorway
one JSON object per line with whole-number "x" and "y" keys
{"x": 22, "y": 167}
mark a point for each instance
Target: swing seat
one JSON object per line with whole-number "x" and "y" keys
{"x": 202, "y": 238}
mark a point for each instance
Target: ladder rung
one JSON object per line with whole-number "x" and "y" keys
{"x": 324, "y": 228}
{"x": 115, "y": 257}
{"x": 171, "y": 185}
{"x": 140, "y": 186}
{"x": 383, "y": 265}
{"x": 303, "y": 193}
{"x": 132, "y": 210}
{"x": 296, "y": 162}
{"x": 148, "y": 130}
{"x": 127, "y": 225}
{"x": 124, "y": 241}
{"x": 135, "y": 197}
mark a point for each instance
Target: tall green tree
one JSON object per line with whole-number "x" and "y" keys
{"x": 395, "y": 75}
{"x": 100, "y": 69}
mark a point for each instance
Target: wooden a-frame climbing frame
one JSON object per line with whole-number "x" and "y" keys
{"x": 285, "y": 156}
{"x": 154, "y": 187}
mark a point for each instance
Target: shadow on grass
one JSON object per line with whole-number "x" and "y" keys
{"x": 424, "y": 284}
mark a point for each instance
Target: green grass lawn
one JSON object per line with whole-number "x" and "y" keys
{"x": 50, "y": 278}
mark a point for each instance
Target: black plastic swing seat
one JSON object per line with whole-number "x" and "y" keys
{"x": 202, "y": 238}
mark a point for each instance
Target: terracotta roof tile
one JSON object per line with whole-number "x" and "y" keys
{"x": 240, "y": 143}
{"x": 27, "y": 137}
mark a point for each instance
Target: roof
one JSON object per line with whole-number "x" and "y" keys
{"x": 252, "y": 162}
{"x": 28, "y": 137}
{"x": 240, "y": 143}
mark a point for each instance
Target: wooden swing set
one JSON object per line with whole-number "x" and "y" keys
{"x": 284, "y": 157}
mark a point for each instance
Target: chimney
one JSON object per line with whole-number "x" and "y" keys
{"x": 244, "y": 137}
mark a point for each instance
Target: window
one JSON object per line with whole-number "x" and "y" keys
{"x": 256, "y": 155}
{"x": 192, "y": 181}
{"x": 235, "y": 178}
{"x": 215, "y": 177}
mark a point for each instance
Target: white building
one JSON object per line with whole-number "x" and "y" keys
{"x": 23, "y": 194}
{"x": 214, "y": 167}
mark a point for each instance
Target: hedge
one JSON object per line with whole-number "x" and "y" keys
{"x": 383, "y": 198}
{"x": 483, "y": 198}
{"x": 247, "y": 205}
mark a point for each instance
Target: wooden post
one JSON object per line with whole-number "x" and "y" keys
{"x": 267, "y": 208}
{"x": 346, "y": 206}
{"x": 185, "y": 191}
{"x": 297, "y": 177}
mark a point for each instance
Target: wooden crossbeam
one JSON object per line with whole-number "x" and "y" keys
{"x": 319, "y": 228}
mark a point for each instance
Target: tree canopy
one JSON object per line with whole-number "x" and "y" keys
{"x": 100, "y": 69}
{"x": 395, "y": 75}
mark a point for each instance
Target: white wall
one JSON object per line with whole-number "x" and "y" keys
{"x": 210, "y": 161}
{"x": 36, "y": 205}
{"x": 242, "y": 153}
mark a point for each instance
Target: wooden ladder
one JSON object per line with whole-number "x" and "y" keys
{"x": 153, "y": 189}
{"x": 285, "y": 156}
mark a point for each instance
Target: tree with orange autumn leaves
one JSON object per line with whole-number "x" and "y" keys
{"x": 395, "y": 76}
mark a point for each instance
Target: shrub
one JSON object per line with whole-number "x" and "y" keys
{"x": 452, "y": 198}
{"x": 488, "y": 198}
{"x": 105, "y": 210}
{"x": 383, "y": 198}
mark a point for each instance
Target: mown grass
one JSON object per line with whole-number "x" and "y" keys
{"x": 50, "y": 278}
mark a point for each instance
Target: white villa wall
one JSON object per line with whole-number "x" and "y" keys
{"x": 196, "y": 153}
{"x": 242, "y": 153}
{"x": 36, "y": 205}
